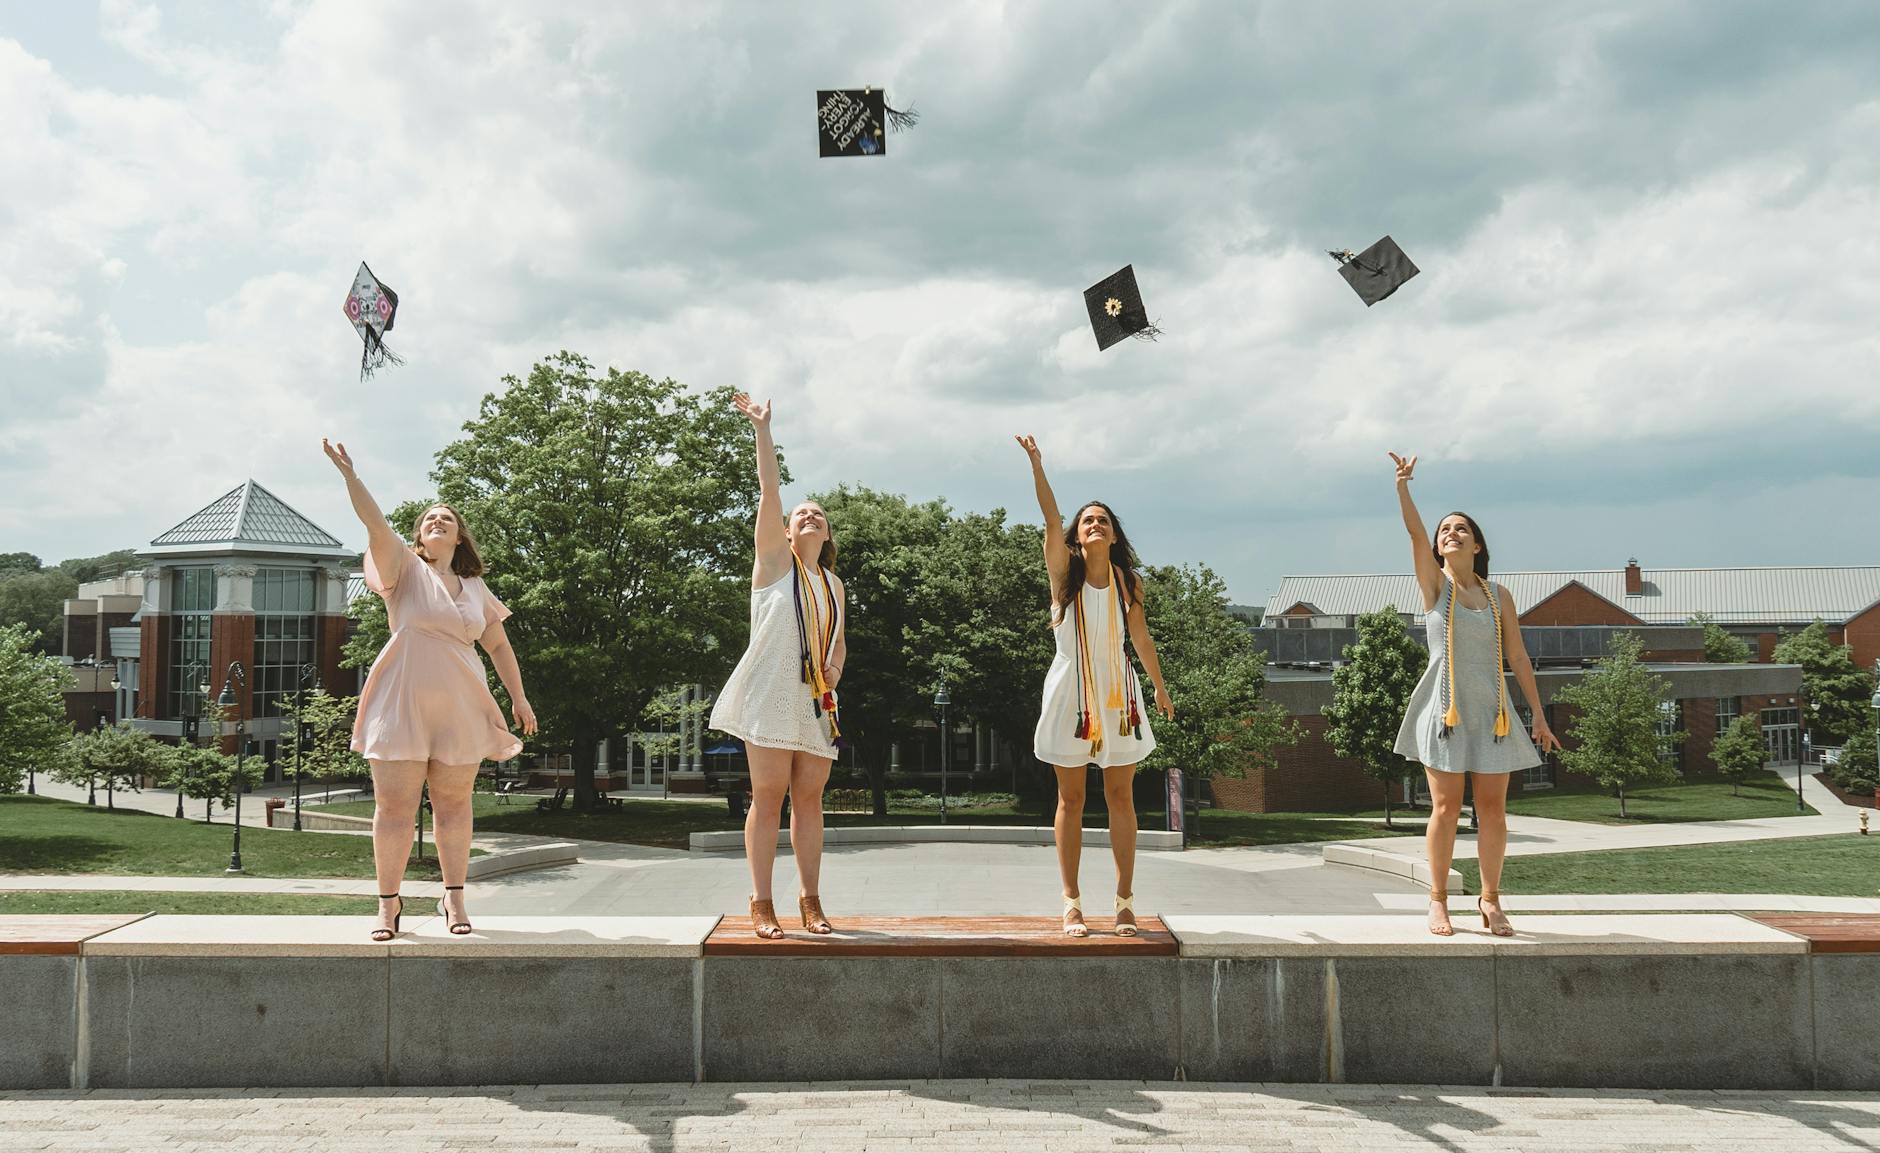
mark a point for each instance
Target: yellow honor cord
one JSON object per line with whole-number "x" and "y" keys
{"x": 1115, "y": 699}
{"x": 820, "y": 637}
{"x": 1452, "y": 717}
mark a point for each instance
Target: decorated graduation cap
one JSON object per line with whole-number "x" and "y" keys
{"x": 1116, "y": 310}
{"x": 1376, "y": 272}
{"x": 856, "y": 121}
{"x": 372, "y": 306}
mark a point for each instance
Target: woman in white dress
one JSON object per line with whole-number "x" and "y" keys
{"x": 780, "y": 700}
{"x": 1092, "y": 712}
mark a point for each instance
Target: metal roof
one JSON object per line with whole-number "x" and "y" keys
{"x": 248, "y": 518}
{"x": 1786, "y": 595}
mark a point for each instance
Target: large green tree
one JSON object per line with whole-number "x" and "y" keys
{"x": 35, "y": 596}
{"x": 1370, "y": 693}
{"x": 1613, "y": 736}
{"x": 33, "y": 730}
{"x": 1839, "y": 690}
{"x": 615, "y": 512}
{"x": 116, "y": 757}
{"x": 327, "y": 753}
{"x": 1215, "y": 676}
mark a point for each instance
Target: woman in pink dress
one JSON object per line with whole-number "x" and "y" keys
{"x": 426, "y": 715}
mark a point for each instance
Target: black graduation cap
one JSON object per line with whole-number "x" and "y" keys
{"x": 1376, "y": 272}
{"x": 854, "y": 121}
{"x": 1116, "y": 311}
{"x": 372, "y": 306}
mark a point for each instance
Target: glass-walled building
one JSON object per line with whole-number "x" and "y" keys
{"x": 248, "y": 579}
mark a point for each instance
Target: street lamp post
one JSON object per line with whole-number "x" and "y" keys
{"x": 1876, "y": 724}
{"x": 237, "y": 675}
{"x": 308, "y": 674}
{"x": 944, "y": 703}
{"x": 91, "y": 782}
{"x": 192, "y": 717}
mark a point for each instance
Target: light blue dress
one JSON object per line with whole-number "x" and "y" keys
{"x": 1470, "y": 747}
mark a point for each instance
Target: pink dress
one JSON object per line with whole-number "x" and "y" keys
{"x": 426, "y": 698}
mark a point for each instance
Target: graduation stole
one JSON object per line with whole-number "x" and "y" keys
{"x": 1122, "y": 694}
{"x": 816, "y": 640}
{"x": 1452, "y": 717}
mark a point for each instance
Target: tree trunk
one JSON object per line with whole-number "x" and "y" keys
{"x": 1622, "y": 804}
{"x": 878, "y": 787}
{"x": 1387, "y": 823}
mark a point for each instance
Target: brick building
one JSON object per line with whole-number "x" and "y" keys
{"x": 248, "y": 579}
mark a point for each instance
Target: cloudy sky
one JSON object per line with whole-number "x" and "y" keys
{"x": 1646, "y": 323}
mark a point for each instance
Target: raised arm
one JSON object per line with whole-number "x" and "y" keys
{"x": 773, "y": 541}
{"x": 386, "y": 549}
{"x": 1057, "y": 558}
{"x": 1144, "y": 645}
{"x": 1429, "y": 573}
{"x": 1516, "y": 649}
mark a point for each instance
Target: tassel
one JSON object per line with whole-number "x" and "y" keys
{"x": 1122, "y": 726}
{"x": 1083, "y": 725}
{"x": 900, "y": 119}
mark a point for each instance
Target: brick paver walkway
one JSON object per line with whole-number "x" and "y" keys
{"x": 942, "y": 1116}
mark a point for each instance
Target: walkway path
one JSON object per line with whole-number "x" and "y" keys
{"x": 941, "y": 1116}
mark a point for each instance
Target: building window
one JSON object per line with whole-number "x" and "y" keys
{"x": 192, "y": 601}
{"x": 1728, "y": 709}
{"x": 1670, "y": 721}
{"x": 284, "y": 635}
{"x": 1782, "y": 734}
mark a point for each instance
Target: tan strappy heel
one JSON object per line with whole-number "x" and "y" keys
{"x": 764, "y": 920}
{"x": 1497, "y": 921}
{"x": 813, "y": 919}
{"x": 1126, "y": 905}
{"x": 1075, "y": 928}
{"x": 1439, "y": 913}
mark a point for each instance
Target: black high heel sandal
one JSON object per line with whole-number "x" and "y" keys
{"x": 457, "y": 928}
{"x": 382, "y": 934}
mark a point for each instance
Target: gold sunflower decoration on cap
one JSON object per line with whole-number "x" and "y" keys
{"x": 1113, "y": 307}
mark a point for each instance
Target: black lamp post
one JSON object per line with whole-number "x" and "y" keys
{"x": 192, "y": 717}
{"x": 1876, "y": 721}
{"x": 944, "y": 703}
{"x": 237, "y": 675}
{"x": 91, "y": 782}
{"x": 308, "y": 675}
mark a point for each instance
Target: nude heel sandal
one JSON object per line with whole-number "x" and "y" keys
{"x": 1497, "y": 921}
{"x": 1126, "y": 905}
{"x": 1075, "y": 928}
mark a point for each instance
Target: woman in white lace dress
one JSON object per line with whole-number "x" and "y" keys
{"x": 780, "y": 700}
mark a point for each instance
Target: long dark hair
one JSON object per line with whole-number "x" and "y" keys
{"x": 1475, "y": 530}
{"x": 1123, "y": 563}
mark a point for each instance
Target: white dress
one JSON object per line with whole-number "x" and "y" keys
{"x": 765, "y": 701}
{"x": 1056, "y": 742}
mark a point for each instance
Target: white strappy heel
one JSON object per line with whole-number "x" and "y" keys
{"x": 1126, "y": 905}
{"x": 1074, "y": 928}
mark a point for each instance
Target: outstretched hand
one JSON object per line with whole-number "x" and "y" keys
{"x": 1030, "y": 445}
{"x": 1405, "y": 466}
{"x": 342, "y": 460}
{"x": 757, "y": 414}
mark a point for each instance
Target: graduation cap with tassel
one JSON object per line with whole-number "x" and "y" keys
{"x": 372, "y": 307}
{"x": 1376, "y": 272}
{"x": 856, "y": 121}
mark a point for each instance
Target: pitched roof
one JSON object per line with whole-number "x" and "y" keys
{"x": 1774, "y": 595}
{"x": 248, "y": 518}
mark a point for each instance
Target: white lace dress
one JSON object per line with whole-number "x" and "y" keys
{"x": 765, "y": 701}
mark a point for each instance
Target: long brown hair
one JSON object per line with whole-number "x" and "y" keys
{"x": 1481, "y": 558}
{"x": 466, "y": 561}
{"x": 826, "y": 558}
{"x": 1123, "y": 563}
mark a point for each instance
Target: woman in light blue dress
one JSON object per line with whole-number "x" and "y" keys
{"x": 1459, "y": 723}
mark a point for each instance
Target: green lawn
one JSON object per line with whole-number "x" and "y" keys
{"x": 669, "y": 824}
{"x": 1765, "y": 796}
{"x": 1843, "y": 865}
{"x": 247, "y": 904}
{"x": 41, "y": 835}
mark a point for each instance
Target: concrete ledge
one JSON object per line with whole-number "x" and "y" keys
{"x": 1150, "y": 840}
{"x": 551, "y": 937}
{"x": 486, "y": 865}
{"x": 315, "y": 819}
{"x": 1384, "y": 861}
{"x": 1405, "y": 936}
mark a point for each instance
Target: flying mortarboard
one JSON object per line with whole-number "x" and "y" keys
{"x": 1116, "y": 310}
{"x": 372, "y": 306}
{"x": 854, "y": 121}
{"x": 1376, "y": 272}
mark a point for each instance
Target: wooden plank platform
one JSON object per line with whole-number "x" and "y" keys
{"x": 56, "y": 934}
{"x": 943, "y": 937}
{"x": 1829, "y": 932}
